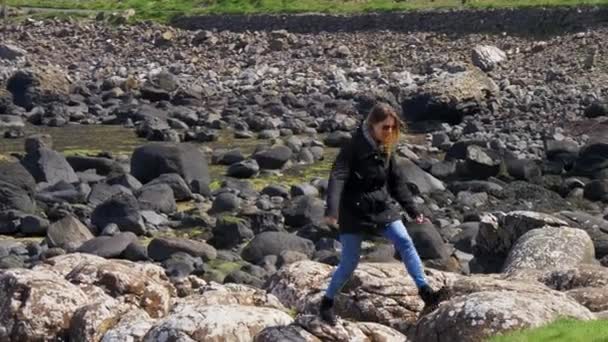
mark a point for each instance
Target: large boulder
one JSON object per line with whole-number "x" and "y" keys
{"x": 596, "y": 227}
{"x": 378, "y": 292}
{"x": 273, "y": 243}
{"x": 68, "y": 233}
{"x": 154, "y": 159}
{"x": 274, "y": 158}
{"x": 310, "y": 328}
{"x": 215, "y": 323}
{"x": 422, "y": 181}
{"x": 550, "y": 247}
{"x": 486, "y": 57}
{"x": 180, "y": 188}
{"x": 38, "y": 85}
{"x": 36, "y": 305}
{"x": 162, "y": 248}
{"x": 497, "y": 235}
{"x": 108, "y": 246}
{"x": 303, "y": 210}
{"x": 49, "y": 166}
{"x": 122, "y": 210}
{"x": 449, "y": 96}
{"x": 237, "y": 294}
{"x": 17, "y": 188}
{"x": 230, "y": 231}
{"x": 130, "y": 326}
{"x": 142, "y": 284}
{"x": 156, "y": 197}
{"x": 593, "y": 157}
{"x": 102, "y": 166}
{"x": 480, "y": 315}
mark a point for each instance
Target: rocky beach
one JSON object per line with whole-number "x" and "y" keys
{"x": 164, "y": 184}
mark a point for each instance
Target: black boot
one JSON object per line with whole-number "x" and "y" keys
{"x": 327, "y": 311}
{"x": 430, "y": 297}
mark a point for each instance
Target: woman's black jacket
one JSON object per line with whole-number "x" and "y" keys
{"x": 366, "y": 188}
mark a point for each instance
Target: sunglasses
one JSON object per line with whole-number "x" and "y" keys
{"x": 388, "y": 127}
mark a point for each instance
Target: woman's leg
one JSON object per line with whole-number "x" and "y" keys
{"x": 349, "y": 259}
{"x": 397, "y": 233}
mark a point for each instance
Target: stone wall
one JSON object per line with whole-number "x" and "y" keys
{"x": 513, "y": 21}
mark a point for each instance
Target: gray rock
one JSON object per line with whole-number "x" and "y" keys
{"x": 108, "y": 246}
{"x": 274, "y": 243}
{"x": 68, "y": 233}
{"x": 156, "y": 197}
{"x": 486, "y": 57}
{"x": 161, "y": 249}
{"x": 121, "y": 209}
{"x": 243, "y": 169}
{"x": 180, "y": 188}
{"x": 550, "y": 248}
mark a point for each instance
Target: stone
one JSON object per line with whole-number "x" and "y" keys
{"x": 550, "y": 247}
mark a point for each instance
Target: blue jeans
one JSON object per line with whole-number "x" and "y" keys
{"x": 351, "y": 250}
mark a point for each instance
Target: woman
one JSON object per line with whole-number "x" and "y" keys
{"x": 363, "y": 197}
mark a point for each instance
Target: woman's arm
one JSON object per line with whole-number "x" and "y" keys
{"x": 399, "y": 190}
{"x": 339, "y": 175}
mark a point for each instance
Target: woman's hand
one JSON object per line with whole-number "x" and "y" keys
{"x": 420, "y": 219}
{"x": 331, "y": 221}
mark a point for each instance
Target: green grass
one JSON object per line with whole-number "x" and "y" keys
{"x": 164, "y": 9}
{"x": 564, "y": 330}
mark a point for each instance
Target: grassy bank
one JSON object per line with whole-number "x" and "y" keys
{"x": 561, "y": 331}
{"x": 164, "y": 9}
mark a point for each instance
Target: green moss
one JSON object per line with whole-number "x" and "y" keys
{"x": 231, "y": 219}
{"x": 565, "y": 330}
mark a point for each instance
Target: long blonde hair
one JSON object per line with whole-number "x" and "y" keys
{"x": 379, "y": 113}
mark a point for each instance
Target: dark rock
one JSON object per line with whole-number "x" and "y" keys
{"x": 181, "y": 191}
{"x": 156, "y": 197}
{"x": 225, "y": 202}
{"x": 337, "y": 139}
{"x": 303, "y": 210}
{"x": 273, "y": 159}
{"x": 230, "y": 231}
{"x": 68, "y": 233}
{"x": 108, "y": 246}
{"x": 121, "y": 209}
{"x": 263, "y": 221}
{"x": 597, "y": 109}
{"x": 110, "y": 230}
{"x": 303, "y": 190}
{"x": 135, "y": 252}
{"x": 103, "y": 166}
{"x": 523, "y": 169}
{"x": 33, "y": 225}
{"x": 243, "y": 169}
{"x": 597, "y": 190}
{"x": 180, "y": 265}
{"x": 125, "y": 180}
{"x": 275, "y": 190}
{"x": 101, "y": 192}
{"x": 416, "y": 178}
{"x": 482, "y": 163}
{"x": 13, "y": 197}
{"x": 465, "y": 240}
{"x": 152, "y": 160}
{"x": 49, "y": 166}
{"x": 241, "y": 277}
{"x": 273, "y": 243}
{"x": 428, "y": 241}
{"x": 161, "y": 249}
{"x": 229, "y": 157}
